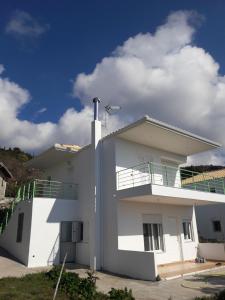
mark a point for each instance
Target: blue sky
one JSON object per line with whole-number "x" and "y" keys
{"x": 81, "y": 33}
{"x": 45, "y": 47}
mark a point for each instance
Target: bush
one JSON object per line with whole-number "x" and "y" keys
{"x": 84, "y": 288}
{"x": 121, "y": 294}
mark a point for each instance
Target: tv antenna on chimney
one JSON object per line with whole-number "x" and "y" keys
{"x": 109, "y": 111}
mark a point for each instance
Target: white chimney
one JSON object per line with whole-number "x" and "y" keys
{"x": 95, "y": 238}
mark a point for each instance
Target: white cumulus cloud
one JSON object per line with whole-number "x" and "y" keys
{"x": 23, "y": 24}
{"x": 163, "y": 74}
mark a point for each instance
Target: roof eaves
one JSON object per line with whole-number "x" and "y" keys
{"x": 166, "y": 126}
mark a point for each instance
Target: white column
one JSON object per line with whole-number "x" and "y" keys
{"x": 95, "y": 230}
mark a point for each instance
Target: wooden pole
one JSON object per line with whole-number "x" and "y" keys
{"x": 60, "y": 275}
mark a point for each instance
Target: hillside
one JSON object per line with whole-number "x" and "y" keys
{"x": 14, "y": 160}
{"x": 203, "y": 168}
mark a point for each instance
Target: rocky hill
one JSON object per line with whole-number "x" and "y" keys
{"x": 14, "y": 159}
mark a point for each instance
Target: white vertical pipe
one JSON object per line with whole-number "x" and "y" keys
{"x": 95, "y": 247}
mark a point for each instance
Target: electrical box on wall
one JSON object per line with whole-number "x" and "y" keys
{"x": 77, "y": 231}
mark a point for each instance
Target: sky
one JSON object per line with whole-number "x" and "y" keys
{"x": 161, "y": 58}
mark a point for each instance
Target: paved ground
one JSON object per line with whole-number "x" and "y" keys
{"x": 10, "y": 267}
{"x": 186, "y": 288}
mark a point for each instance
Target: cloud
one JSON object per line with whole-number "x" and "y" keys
{"x": 73, "y": 127}
{"x": 22, "y": 24}
{"x": 165, "y": 75}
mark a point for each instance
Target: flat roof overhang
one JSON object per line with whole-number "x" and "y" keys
{"x": 168, "y": 195}
{"x": 156, "y": 134}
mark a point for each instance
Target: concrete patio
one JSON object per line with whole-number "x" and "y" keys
{"x": 184, "y": 288}
{"x": 175, "y": 270}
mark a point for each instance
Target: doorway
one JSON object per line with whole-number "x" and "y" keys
{"x": 67, "y": 246}
{"x": 173, "y": 246}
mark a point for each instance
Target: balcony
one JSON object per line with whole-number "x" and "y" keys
{"x": 47, "y": 189}
{"x": 161, "y": 180}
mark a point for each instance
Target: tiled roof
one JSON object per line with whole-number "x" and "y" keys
{"x": 69, "y": 147}
{"x": 205, "y": 176}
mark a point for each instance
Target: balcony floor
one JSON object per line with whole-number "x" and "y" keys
{"x": 178, "y": 269}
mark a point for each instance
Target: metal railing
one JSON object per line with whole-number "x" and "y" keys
{"x": 159, "y": 174}
{"x": 48, "y": 189}
{"x": 40, "y": 189}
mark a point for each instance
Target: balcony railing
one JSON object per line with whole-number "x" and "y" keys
{"x": 48, "y": 189}
{"x": 159, "y": 174}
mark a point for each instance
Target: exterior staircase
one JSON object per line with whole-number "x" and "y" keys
{"x": 24, "y": 192}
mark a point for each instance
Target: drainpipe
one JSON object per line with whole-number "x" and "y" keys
{"x": 95, "y": 248}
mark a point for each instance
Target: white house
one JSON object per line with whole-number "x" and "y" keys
{"x": 210, "y": 219}
{"x": 117, "y": 204}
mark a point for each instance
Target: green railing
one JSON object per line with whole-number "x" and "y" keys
{"x": 48, "y": 189}
{"x": 159, "y": 174}
{"x": 40, "y": 189}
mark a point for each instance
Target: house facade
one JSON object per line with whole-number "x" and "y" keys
{"x": 117, "y": 204}
{"x": 210, "y": 219}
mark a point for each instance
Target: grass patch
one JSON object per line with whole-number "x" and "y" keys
{"x": 29, "y": 287}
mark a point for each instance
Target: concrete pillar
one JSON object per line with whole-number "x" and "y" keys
{"x": 95, "y": 230}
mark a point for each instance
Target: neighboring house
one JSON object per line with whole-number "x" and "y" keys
{"x": 117, "y": 204}
{"x": 210, "y": 219}
{"x": 5, "y": 175}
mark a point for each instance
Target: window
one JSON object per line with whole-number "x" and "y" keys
{"x": 66, "y": 232}
{"x": 20, "y": 228}
{"x": 212, "y": 189}
{"x": 153, "y": 236}
{"x": 187, "y": 229}
{"x": 81, "y": 231}
{"x": 216, "y": 226}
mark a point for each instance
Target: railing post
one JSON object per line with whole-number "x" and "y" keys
{"x": 6, "y": 219}
{"x": 133, "y": 176}
{"x": 34, "y": 187}
{"x": 150, "y": 171}
{"x": 18, "y": 193}
{"x": 24, "y": 188}
{"x": 167, "y": 184}
{"x": 28, "y": 191}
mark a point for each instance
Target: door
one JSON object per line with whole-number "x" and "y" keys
{"x": 173, "y": 246}
{"x": 67, "y": 246}
{"x": 170, "y": 174}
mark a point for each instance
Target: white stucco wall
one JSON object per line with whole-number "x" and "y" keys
{"x": 77, "y": 170}
{"x": 9, "y": 236}
{"x": 205, "y": 215}
{"x": 46, "y": 217}
{"x": 130, "y": 229}
{"x": 132, "y": 156}
{"x": 123, "y": 219}
{"x": 145, "y": 269}
{"x": 214, "y": 251}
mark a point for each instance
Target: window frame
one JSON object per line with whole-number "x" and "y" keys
{"x": 190, "y": 233}
{"x": 20, "y": 223}
{"x": 149, "y": 234}
{"x": 216, "y": 231}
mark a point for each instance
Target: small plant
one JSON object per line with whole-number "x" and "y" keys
{"x": 121, "y": 294}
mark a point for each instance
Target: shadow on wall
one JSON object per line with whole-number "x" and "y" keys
{"x": 54, "y": 255}
{"x": 63, "y": 210}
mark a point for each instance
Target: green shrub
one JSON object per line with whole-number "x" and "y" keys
{"x": 121, "y": 294}
{"x": 85, "y": 288}
{"x": 69, "y": 284}
{"x": 53, "y": 274}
